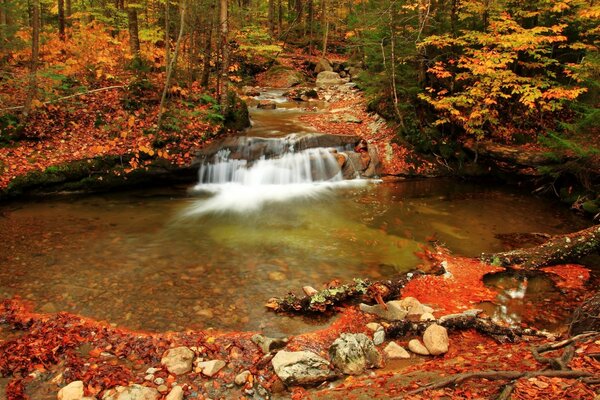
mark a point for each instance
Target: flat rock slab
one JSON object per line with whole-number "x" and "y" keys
{"x": 302, "y": 368}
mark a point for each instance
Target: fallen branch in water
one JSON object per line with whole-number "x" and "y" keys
{"x": 557, "y": 250}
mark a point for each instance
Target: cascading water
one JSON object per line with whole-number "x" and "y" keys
{"x": 246, "y": 184}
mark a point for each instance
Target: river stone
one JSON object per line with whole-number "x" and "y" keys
{"x": 394, "y": 311}
{"x": 301, "y": 368}
{"x": 268, "y": 344}
{"x": 379, "y": 337}
{"x": 133, "y": 392}
{"x": 210, "y": 368}
{"x": 427, "y": 317}
{"x": 73, "y": 391}
{"x": 352, "y": 353}
{"x": 178, "y": 360}
{"x": 374, "y": 326}
{"x": 266, "y": 105}
{"x": 436, "y": 340}
{"x": 242, "y": 377}
{"x": 417, "y": 347}
{"x": 175, "y": 394}
{"x": 329, "y": 78}
{"x": 394, "y": 350}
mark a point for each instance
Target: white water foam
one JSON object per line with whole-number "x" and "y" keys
{"x": 239, "y": 186}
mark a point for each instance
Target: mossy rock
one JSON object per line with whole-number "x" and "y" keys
{"x": 236, "y": 116}
{"x": 592, "y": 207}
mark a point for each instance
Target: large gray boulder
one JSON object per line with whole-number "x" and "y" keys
{"x": 133, "y": 392}
{"x": 352, "y": 353}
{"x": 329, "y": 78}
{"x": 301, "y": 368}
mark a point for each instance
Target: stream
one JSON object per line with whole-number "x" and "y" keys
{"x": 210, "y": 256}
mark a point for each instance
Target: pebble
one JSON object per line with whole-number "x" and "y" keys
{"x": 379, "y": 337}
{"x": 427, "y": 317}
{"x": 152, "y": 370}
{"x": 242, "y": 377}
{"x": 149, "y": 377}
{"x": 159, "y": 381}
{"x": 175, "y": 394}
{"x": 374, "y": 326}
{"x": 162, "y": 388}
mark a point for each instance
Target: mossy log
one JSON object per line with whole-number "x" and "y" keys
{"x": 558, "y": 249}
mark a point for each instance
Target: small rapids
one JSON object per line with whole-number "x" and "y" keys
{"x": 239, "y": 185}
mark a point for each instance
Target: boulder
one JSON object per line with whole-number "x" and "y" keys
{"x": 394, "y": 351}
{"x": 175, "y": 394}
{"x": 210, "y": 368}
{"x": 345, "y": 117}
{"x": 266, "y": 105}
{"x": 268, "y": 344}
{"x": 329, "y": 78}
{"x": 301, "y": 368}
{"x": 436, "y": 339}
{"x": 323, "y": 65}
{"x": 73, "y": 391}
{"x": 394, "y": 312}
{"x": 178, "y": 360}
{"x": 352, "y": 353}
{"x": 417, "y": 347}
{"x": 133, "y": 392}
{"x": 282, "y": 77}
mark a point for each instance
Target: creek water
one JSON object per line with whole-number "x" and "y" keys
{"x": 173, "y": 258}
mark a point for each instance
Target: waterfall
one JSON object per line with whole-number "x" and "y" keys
{"x": 254, "y": 173}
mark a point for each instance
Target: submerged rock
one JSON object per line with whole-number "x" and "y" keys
{"x": 353, "y": 353}
{"x": 266, "y": 105}
{"x": 301, "y": 368}
{"x": 394, "y": 351}
{"x": 73, "y": 391}
{"x": 417, "y": 347}
{"x": 436, "y": 339}
{"x": 178, "y": 360}
{"x": 133, "y": 392}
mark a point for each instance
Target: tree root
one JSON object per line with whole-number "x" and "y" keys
{"x": 557, "y": 250}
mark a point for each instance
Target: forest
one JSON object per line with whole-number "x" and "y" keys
{"x": 255, "y": 199}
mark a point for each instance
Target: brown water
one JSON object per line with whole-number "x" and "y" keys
{"x": 136, "y": 259}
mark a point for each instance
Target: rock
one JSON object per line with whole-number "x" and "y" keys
{"x": 354, "y": 71}
{"x": 329, "y": 78}
{"x": 427, "y": 317}
{"x": 153, "y": 370}
{"x": 436, "y": 340}
{"x": 282, "y": 77}
{"x": 210, "y": 368}
{"x": 178, "y": 360}
{"x": 73, "y": 391}
{"x": 417, "y": 347}
{"x": 341, "y": 158}
{"x": 353, "y": 353}
{"x": 159, "y": 381}
{"x": 346, "y": 117}
{"x": 175, "y": 394}
{"x": 301, "y": 368}
{"x": 133, "y": 392}
{"x": 309, "y": 290}
{"x": 469, "y": 313}
{"x": 394, "y": 312}
{"x": 250, "y": 91}
{"x": 162, "y": 389}
{"x": 323, "y": 65}
{"x": 242, "y": 377}
{"x": 268, "y": 344}
{"x": 267, "y": 105}
{"x": 374, "y": 326}
{"x": 149, "y": 377}
{"x": 379, "y": 337}
{"x": 343, "y": 74}
{"x": 277, "y": 276}
{"x": 393, "y": 351}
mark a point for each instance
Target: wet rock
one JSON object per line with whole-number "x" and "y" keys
{"x": 379, "y": 337}
{"x": 210, "y": 368}
{"x": 277, "y": 276}
{"x": 266, "y": 105}
{"x": 395, "y": 351}
{"x": 353, "y": 353}
{"x": 417, "y": 347}
{"x": 427, "y": 317}
{"x": 469, "y": 313}
{"x": 250, "y": 91}
{"x": 175, "y": 394}
{"x": 301, "y": 368}
{"x": 268, "y": 344}
{"x": 178, "y": 360}
{"x": 328, "y": 78}
{"x": 374, "y": 326}
{"x": 394, "y": 312}
{"x": 323, "y": 65}
{"x": 341, "y": 158}
{"x": 436, "y": 339}
{"x": 73, "y": 391}
{"x": 242, "y": 377}
{"x": 133, "y": 392}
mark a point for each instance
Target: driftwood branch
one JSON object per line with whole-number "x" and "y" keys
{"x": 501, "y": 375}
{"x": 68, "y": 97}
{"x": 557, "y": 250}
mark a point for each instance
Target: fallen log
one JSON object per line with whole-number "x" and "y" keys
{"x": 557, "y": 250}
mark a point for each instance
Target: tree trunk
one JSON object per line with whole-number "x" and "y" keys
{"x": 557, "y": 250}
{"x": 207, "y": 50}
{"x": 167, "y": 34}
{"x": 172, "y": 65}
{"x": 68, "y": 10}
{"x": 61, "y": 19}
{"x": 325, "y": 25}
{"x": 279, "y": 17}
{"x": 134, "y": 38}
{"x": 272, "y": 17}
{"x": 3, "y": 20}
{"x": 35, "y": 50}
{"x": 224, "y": 47}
